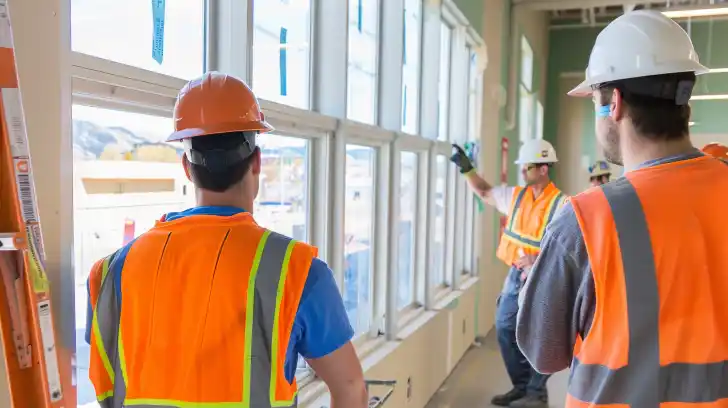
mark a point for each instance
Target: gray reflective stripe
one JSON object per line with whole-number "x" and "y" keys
{"x": 107, "y": 316}
{"x": 266, "y": 289}
{"x": 107, "y": 403}
{"x": 643, "y": 383}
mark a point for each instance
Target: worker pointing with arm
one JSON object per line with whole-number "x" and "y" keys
{"x": 529, "y": 210}
{"x": 216, "y": 309}
{"x": 631, "y": 278}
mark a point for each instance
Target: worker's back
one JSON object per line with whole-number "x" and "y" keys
{"x": 660, "y": 330}
{"x": 209, "y": 304}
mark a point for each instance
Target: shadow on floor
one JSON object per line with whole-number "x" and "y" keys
{"x": 480, "y": 375}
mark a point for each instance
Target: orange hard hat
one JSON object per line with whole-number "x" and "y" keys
{"x": 216, "y": 103}
{"x": 716, "y": 150}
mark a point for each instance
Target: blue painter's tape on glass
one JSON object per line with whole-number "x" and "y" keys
{"x": 158, "y": 33}
{"x": 358, "y": 19}
{"x": 282, "y": 62}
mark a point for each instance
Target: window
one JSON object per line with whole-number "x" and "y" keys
{"x": 411, "y": 66}
{"x": 123, "y": 31}
{"x": 526, "y": 64}
{"x": 438, "y": 238}
{"x": 525, "y": 114}
{"x": 282, "y": 201}
{"x": 444, "y": 82}
{"x": 539, "y": 121}
{"x": 474, "y": 92}
{"x": 359, "y": 228}
{"x": 407, "y": 218}
{"x": 113, "y": 149}
{"x": 282, "y": 51}
{"x": 363, "y": 52}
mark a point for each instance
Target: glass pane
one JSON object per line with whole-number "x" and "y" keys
{"x": 125, "y": 178}
{"x": 122, "y": 31}
{"x": 358, "y": 228}
{"x": 444, "y": 82}
{"x": 538, "y": 128}
{"x": 282, "y": 201}
{"x": 282, "y": 51}
{"x": 525, "y": 114}
{"x": 438, "y": 242}
{"x": 363, "y": 51}
{"x": 411, "y": 65}
{"x": 473, "y": 111}
{"x": 526, "y": 64}
{"x": 407, "y": 213}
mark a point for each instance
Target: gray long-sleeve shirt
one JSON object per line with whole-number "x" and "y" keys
{"x": 558, "y": 299}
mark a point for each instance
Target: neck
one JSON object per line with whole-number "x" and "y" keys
{"x": 637, "y": 149}
{"x": 539, "y": 186}
{"x": 230, "y": 198}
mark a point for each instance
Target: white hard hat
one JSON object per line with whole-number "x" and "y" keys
{"x": 638, "y": 44}
{"x": 536, "y": 151}
{"x": 599, "y": 168}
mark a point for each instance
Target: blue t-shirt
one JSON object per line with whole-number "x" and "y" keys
{"x": 321, "y": 325}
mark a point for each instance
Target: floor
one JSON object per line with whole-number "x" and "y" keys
{"x": 480, "y": 375}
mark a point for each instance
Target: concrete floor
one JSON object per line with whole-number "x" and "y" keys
{"x": 480, "y": 375}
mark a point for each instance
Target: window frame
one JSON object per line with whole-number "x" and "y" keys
{"x": 361, "y": 134}
{"x": 313, "y": 5}
{"x": 377, "y": 64}
{"x": 420, "y": 37}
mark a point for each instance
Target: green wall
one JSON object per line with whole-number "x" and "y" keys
{"x": 569, "y": 50}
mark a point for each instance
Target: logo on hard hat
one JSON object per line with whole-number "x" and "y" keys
{"x": 544, "y": 153}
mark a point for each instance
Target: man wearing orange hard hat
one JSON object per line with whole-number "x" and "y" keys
{"x": 216, "y": 308}
{"x": 716, "y": 150}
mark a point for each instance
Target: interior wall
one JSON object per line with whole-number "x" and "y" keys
{"x": 568, "y": 56}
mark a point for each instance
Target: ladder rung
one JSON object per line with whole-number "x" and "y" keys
{"x": 11, "y": 241}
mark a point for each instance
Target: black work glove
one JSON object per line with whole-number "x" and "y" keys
{"x": 460, "y": 158}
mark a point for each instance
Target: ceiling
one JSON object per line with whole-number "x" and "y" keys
{"x": 593, "y": 11}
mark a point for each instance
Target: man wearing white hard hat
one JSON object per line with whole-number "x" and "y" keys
{"x": 632, "y": 278}
{"x": 529, "y": 209}
{"x": 599, "y": 173}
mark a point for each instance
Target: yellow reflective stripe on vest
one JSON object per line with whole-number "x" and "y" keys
{"x": 643, "y": 383}
{"x": 95, "y": 326}
{"x": 104, "y": 324}
{"x": 518, "y": 237}
{"x": 266, "y": 285}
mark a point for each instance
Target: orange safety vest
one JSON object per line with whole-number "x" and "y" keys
{"x": 527, "y": 221}
{"x": 656, "y": 243}
{"x": 208, "y": 308}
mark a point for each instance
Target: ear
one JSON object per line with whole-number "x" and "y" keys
{"x": 617, "y": 107}
{"x": 544, "y": 170}
{"x": 186, "y": 166}
{"x": 255, "y": 165}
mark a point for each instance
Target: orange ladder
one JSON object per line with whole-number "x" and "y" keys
{"x": 26, "y": 319}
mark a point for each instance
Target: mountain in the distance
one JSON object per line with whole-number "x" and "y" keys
{"x": 90, "y": 139}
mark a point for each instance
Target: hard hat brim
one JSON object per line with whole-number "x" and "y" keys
{"x": 584, "y": 89}
{"x": 536, "y": 161}
{"x": 261, "y": 126}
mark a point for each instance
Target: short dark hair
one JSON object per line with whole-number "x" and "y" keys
{"x": 655, "y": 118}
{"x": 219, "y": 180}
